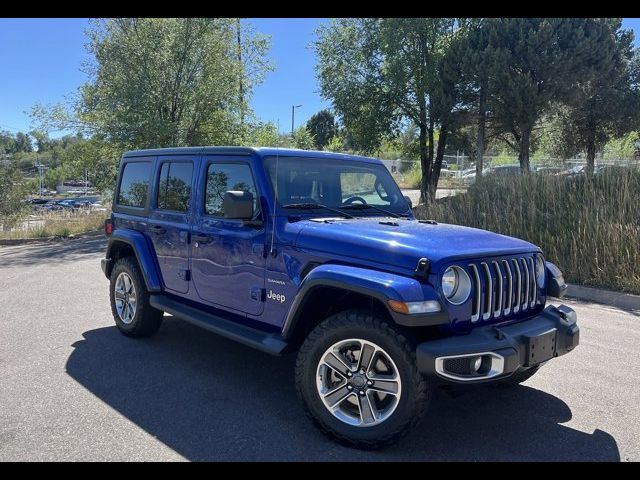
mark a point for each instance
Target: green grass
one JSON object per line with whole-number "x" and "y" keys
{"x": 590, "y": 228}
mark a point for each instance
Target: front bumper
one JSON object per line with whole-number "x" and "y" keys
{"x": 502, "y": 350}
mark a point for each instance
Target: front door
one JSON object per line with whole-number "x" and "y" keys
{"x": 170, "y": 219}
{"x": 227, "y": 255}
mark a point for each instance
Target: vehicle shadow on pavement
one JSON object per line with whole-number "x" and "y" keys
{"x": 55, "y": 251}
{"x": 209, "y": 398}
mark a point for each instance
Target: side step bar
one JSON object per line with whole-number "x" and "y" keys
{"x": 267, "y": 342}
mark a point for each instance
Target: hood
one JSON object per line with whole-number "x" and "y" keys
{"x": 402, "y": 242}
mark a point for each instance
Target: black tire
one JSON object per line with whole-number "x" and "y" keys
{"x": 415, "y": 393}
{"x": 518, "y": 377}
{"x": 146, "y": 320}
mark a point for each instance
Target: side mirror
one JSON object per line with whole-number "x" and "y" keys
{"x": 408, "y": 199}
{"x": 238, "y": 205}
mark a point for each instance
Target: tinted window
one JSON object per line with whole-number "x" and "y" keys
{"x": 224, "y": 177}
{"x": 174, "y": 186}
{"x": 134, "y": 184}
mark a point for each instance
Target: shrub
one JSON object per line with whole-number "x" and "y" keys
{"x": 589, "y": 227}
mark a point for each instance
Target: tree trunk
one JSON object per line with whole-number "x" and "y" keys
{"x": 437, "y": 164}
{"x": 424, "y": 163}
{"x": 425, "y": 155}
{"x": 591, "y": 157}
{"x": 523, "y": 153}
{"x": 482, "y": 119}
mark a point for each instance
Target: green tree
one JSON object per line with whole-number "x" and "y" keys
{"x": 7, "y": 142}
{"x": 96, "y": 157}
{"x": 158, "y": 82}
{"x": 322, "y": 126}
{"x": 54, "y": 177}
{"x": 302, "y": 139}
{"x": 23, "y": 142}
{"x": 477, "y": 65}
{"x": 537, "y": 63}
{"x": 12, "y": 192}
{"x": 382, "y": 73}
{"x": 606, "y": 106}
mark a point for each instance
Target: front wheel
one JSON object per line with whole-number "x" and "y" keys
{"x": 358, "y": 380}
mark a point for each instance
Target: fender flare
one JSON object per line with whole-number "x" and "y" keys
{"x": 138, "y": 243}
{"x": 383, "y": 286}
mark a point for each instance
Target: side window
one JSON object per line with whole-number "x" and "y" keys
{"x": 227, "y": 176}
{"x": 174, "y": 186}
{"x": 134, "y": 184}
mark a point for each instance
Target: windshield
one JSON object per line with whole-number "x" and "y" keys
{"x": 347, "y": 185}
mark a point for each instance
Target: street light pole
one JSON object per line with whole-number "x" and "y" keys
{"x": 293, "y": 113}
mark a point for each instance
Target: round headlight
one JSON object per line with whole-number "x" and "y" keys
{"x": 456, "y": 285}
{"x": 540, "y": 271}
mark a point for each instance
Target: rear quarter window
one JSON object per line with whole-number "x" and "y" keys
{"x": 134, "y": 184}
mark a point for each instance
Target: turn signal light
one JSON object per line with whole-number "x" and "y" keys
{"x": 408, "y": 308}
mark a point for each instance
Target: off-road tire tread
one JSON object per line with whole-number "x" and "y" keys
{"x": 348, "y": 318}
{"x": 150, "y": 318}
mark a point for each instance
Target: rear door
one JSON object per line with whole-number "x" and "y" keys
{"x": 170, "y": 219}
{"x": 227, "y": 255}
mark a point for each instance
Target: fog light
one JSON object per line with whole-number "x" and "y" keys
{"x": 476, "y": 364}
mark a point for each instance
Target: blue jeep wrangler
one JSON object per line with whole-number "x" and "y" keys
{"x": 320, "y": 254}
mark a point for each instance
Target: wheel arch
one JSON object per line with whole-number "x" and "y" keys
{"x": 127, "y": 243}
{"x": 323, "y": 300}
{"x": 330, "y": 288}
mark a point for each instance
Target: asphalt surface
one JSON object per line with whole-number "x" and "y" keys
{"x": 73, "y": 388}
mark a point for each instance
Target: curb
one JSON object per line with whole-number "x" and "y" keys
{"x": 27, "y": 241}
{"x": 624, "y": 301}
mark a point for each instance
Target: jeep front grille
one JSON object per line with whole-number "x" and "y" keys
{"x": 502, "y": 287}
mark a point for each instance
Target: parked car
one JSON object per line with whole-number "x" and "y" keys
{"x": 506, "y": 170}
{"x": 277, "y": 249}
{"x": 545, "y": 170}
{"x": 51, "y": 206}
{"x": 37, "y": 201}
{"x": 576, "y": 170}
{"x": 68, "y": 204}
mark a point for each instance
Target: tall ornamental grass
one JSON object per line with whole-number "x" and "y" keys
{"x": 589, "y": 227}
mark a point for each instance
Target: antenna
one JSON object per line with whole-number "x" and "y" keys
{"x": 272, "y": 252}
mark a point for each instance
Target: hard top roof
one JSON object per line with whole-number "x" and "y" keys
{"x": 260, "y": 151}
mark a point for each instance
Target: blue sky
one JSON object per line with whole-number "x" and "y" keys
{"x": 41, "y": 60}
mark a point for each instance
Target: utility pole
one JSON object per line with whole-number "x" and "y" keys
{"x": 40, "y": 168}
{"x": 293, "y": 114}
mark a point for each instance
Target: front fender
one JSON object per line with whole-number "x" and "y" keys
{"x": 383, "y": 286}
{"x": 142, "y": 250}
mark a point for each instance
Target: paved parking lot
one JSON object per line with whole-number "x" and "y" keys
{"x": 73, "y": 388}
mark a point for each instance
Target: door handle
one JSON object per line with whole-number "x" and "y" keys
{"x": 157, "y": 229}
{"x": 200, "y": 238}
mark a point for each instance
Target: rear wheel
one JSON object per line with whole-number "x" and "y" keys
{"x": 132, "y": 313}
{"x": 358, "y": 380}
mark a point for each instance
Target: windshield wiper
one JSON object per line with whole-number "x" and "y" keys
{"x": 313, "y": 206}
{"x": 364, "y": 206}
